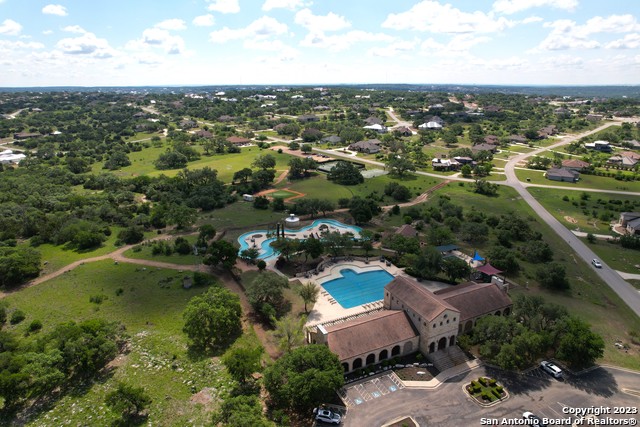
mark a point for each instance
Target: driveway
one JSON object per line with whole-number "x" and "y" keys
{"x": 448, "y": 405}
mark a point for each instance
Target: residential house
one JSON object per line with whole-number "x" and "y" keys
{"x": 464, "y": 160}
{"x": 225, "y": 118}
{"x": 430, "y": 126}
{"x": 436, "y": 119}
{"x": 484, "y": 147}
{"x": 333, "y": 139}
{"x": 518, "y": 139}
{"x": 632, "y": 144}
{"x": 279, "y": 127}
{"x": 575, "y": 164}
{"x": 373, "y": 121}
{"x": 308, "y": 118}
{"x": 444, "y": 164}
{"x": 562, "y": 112}
{"x": 403, "y": 130}
{"x": 26, "y": 135}
{"x": 594, "y": 117}
{"x": 630, "y": 221}
{"x": 377, "y": 128}
{"x": 7, "y": 156}
{"x": 407, "y": 230}
{"x": 203, "y": 134}
{"x": 602, "y": 146}
{"x": 370, "y": 146}
{"x": 238, "y": 140}
{"x": 187, "y": 124}
{"x": 491, "y": 139}
{"x": 623, "y": 161}
{"x": 562, "y": 174}
{"x": 548, "y": 131}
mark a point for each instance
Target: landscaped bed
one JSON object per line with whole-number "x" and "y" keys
{"x": 485, "y": 390}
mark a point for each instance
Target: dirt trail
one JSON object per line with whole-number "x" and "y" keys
{"x": 281, "y": 178}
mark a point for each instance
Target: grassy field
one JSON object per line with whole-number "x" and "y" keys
{"x": 225, "y": 164}
{"x": 57, "y": 257}
{"x": 150, "y": 307}
{"x": 615, "y": 256}
{"x": 590, "y": 298}
{"x": 145, "y": 252}
{"x": 284, "y": 194}
{"x": 586, "y": 181}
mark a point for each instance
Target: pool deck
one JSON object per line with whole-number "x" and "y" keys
{"x": 326, "y": 308}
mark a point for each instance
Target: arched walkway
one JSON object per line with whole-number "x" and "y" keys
{"x": 395, "y": 351}
{"x": 442, "y": 343}
{"x": 357, "y": 363}
{"x": 345, "y": 366}
{"x": 452, "y": 340}
{"x": 432, "y": 347}
{"x": 371, "y": 359}
{"x": 384, "y": 354}
{"x": 468, "y": 326}
{"x": 408, "y": 347}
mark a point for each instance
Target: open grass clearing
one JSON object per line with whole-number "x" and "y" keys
{"x": 150, "y": 307}
{"x": 586, "y": 182}
{"x": 144, "y": 251}
{"x": 615, "y": 256}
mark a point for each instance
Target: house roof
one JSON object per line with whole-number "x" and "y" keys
{"x": 575, "y": 163}
{"x": 366, "y": 334}
{"x": 483, "y": 147}
{"x": 634, "y": 224}
{"x": 418, "y": 298}
{"x": 473, "y": 299}
{"x": 407, "y": 230}
{"x": 629, "y": 215}
{"x": 371, "y": 144}
{"x": 562, "y": 172}
{"x": 238, "y": 140}
{"x": 332, "y": 139}
{"x": 373, "y": 121}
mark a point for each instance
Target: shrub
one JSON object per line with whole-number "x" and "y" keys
{"x": 97, "y": 299}
{"x": 500, "y": 389}
{"x": 496, "y": 393}
{"x": 492, "y": 382}
{"x": 17, "y": 317}
{"x": 34, "y": 326}
{"x": 483, "y": 381}
{"x": 119, "y": 292}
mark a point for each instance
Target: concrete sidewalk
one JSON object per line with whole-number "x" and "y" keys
{"x": 443, "y": 376}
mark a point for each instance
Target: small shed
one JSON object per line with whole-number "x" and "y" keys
{"x": 247, "y": 197}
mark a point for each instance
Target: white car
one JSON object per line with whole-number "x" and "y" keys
{"x": 551, "y": 368}
{"x": 596, "y": 263}
{"x": 533, "y": 420}
{"x": 327, "y": 416}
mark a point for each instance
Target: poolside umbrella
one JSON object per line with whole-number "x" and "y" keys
{"x": 477, "y": 257}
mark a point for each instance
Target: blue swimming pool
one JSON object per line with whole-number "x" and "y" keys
{"x": 267, "y": 252}
{"x": 354, "y": 289}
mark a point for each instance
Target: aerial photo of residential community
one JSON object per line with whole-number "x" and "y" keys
{"x": 264, "y": 213}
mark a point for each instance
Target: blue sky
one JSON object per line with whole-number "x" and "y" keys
{"x": 201, "y": 42}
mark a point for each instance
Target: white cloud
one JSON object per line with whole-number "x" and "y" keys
{"x": 513, "y": 6}
{"x": 393, "y": 49}
{"x": 86, "y": 44}
{"x": 224, "y": 6}
{"x": 344, "y": 41}
{"x": 319, "y": 23}
{"x": 172, "y": 24}
{"x": 630, "y": 41}
{"x": 260, "y": 28}
{"x": 55, "y": 9}
{"x": 6, "y": 45}
{"x": 566, "y": 34}
{"x": 162, "y": 38}
{"x": 77, "y": 29}
{"x": 148, "y": 58}
{"x": 10, "y": 27}
{"x": 532, "y": 19}
{"x": 47, "y": 32}
{"x": 204, "y": 20}
{"x": 434, "y": 17}
{"x": 283, "y": 4}
{"x": 458, "y": 45}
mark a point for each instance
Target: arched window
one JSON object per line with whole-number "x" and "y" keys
{"x": 395, "y": 351}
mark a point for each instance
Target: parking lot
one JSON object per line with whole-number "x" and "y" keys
{"x": 535, "y": 391}
{"x": 366, "y": 390}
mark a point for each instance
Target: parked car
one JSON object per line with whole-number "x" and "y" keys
{"x": 327, "y": 416}
{"x": 551, "y": 368}
{"x": 534, "y": 420}
{"x": 596, "y": 263}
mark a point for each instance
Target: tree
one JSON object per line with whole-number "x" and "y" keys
{"x": 241, "y": 411}
{"x": 171, "y": 160}
{"x": 552, "y": 276}
{"x": 263, "y": 178}
{"x": 299, "y": 168}
{"x": 579, "y": 346}
{"x": 304, "y": 378}
{"x": 117, "y": 160}
{"x": 290, "y": 332}
{"x": 482, "y": 186}
{"x": 182, "y": 246}
{"x": 438, "y": 235}
{"x": 221, "y": 252}
{"x": 278, "y": 204}
{"x": 267, "y": 289}
{"x": 243, "y": 359}
{"x": 455, "y": 268}
{"x": 265, "y": 161}
{"x": 363, "y": 210}
{"x": 311, "y": 248}
{"x": 261, "y": 264}
{"x": 128, "y": 401}
{"x": 309, "y": 293}
{"x": 345, "y": 173}
{"x": 337, "y": 243}
{"x": 466, "y": 171}
{"x": 18, "y": 265}
{"x": 366, "y": 241}
{"x": 131, "y": 235}
{"x": 474, "y": 232}
{"x": 243, "y": 175}
{"x": 399, "y": 166}
{"x": 286, "y": 247}
{"x": 250, "y": 254}
{"x": 306, "y": 148}
{"x": 212, "y": 319}
{"x": 261, "y": 202}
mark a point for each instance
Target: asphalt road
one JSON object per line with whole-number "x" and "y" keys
{"x": 624, "y": 290}
{"x": 449, "y": 406}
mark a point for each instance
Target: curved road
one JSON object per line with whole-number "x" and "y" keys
{"x": 624, "y": 290}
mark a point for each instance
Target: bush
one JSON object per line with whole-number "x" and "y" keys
{"x": 496, "y": 393}
{"x": 97, "y": 299}
{"x": 17, "y": 317}
{"x": 34, "y": 326}
{"x": 483, "y": 381}
{"x": 119, "y": 292}
{"x": 492, "y": 382}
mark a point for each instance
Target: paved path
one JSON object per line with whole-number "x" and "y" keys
{"x": 624, "y": 290}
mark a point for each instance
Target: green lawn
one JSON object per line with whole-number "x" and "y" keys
{"x": 151, "y": 308}
{"x": 225, "y": 164}
{"x": 590, "y": 298}
{"x": 241, "y": 215}
{"x": 284, "y": 194}
{"x": 615, "y": 256}
{"x": 586, "y": 181}
{"x": 57, "y": 257}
